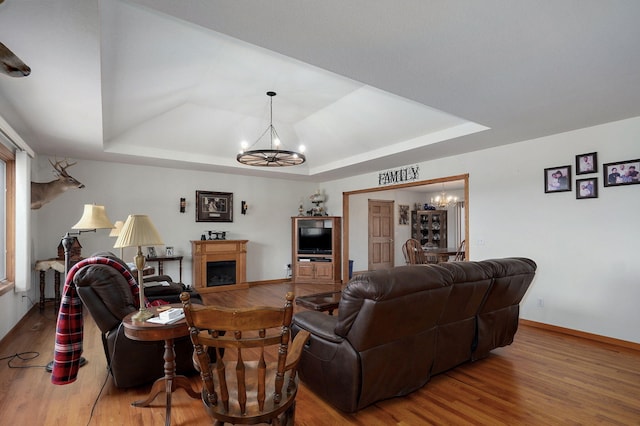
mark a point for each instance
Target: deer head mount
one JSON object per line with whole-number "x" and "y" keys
{"x": 44, "y": 192}
{"x": 10, "y": 64}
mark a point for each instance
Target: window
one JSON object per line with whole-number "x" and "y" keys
{"x": 7, "y": 219}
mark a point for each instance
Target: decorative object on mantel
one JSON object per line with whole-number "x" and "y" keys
{"x": 443, "y": 200}
{"x": 217, "y": 235}
{"x": 274, "y": 156}
{"x": 621, "y": 173}
{"x": 139, "y": 231}
{"x": 317, "y": 199}
{"x": 214, "y": 206}
{"x": 44, "y": 192}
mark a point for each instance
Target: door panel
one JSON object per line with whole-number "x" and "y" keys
{"x": 381, "y": 249}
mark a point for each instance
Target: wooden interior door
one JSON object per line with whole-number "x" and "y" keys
{"x": 381, "y": 248}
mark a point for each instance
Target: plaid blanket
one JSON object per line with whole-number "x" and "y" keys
{"x": 68, "y": 345}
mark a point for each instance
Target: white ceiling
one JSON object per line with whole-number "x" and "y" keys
{"x": 365, "y": 85}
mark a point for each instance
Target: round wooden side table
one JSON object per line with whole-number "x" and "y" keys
{"x": 147, "y": 331}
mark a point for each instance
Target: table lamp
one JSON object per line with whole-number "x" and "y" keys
{"x": 138, "y": 231}
{"x": 115, "y": 232}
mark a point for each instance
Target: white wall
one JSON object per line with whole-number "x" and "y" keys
{"x": 587, "y": 250}
{"x": 125, "y": 189}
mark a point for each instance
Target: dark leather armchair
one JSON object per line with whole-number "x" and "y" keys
{"x": 108, "y": 298}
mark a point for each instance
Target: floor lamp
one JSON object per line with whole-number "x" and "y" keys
{"x": 93, "y": 217}
{"x": 138, "y": 231}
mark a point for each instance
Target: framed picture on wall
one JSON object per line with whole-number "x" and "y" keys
{"x": 621, "y": 173}
{"x": 403, "y": 214}
{"x": 557, "y": 179}
{"x": 586, "y": 188}
{"x": 214, "y": 206}
{"x": 587, "y": 163}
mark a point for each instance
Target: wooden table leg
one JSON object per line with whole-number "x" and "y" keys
{"x": 169, "y": 383}
{"x": 42, "y": 281}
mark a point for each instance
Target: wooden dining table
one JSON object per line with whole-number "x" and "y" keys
{"x": 444, "y": 253}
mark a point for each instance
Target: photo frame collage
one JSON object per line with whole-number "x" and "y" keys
{"x": 619, "y": 173}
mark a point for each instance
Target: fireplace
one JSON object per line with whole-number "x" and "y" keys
{"x": 219, "y": 264}
{"x": 221, "y": 273}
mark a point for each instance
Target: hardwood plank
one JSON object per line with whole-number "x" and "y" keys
{"x": 544, "y": 377}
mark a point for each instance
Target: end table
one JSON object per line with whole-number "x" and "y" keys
{"x": 147, "y": 331}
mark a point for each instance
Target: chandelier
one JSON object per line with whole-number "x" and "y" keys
{"x": 443, "y": 200}
{"x": 274, "y": 156}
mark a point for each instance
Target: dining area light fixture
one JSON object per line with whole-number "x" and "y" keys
{"x": 443, "y": 200}
{"x": 274, "y": 156}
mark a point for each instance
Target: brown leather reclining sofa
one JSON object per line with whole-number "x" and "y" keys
{"x": 396, "y": 328}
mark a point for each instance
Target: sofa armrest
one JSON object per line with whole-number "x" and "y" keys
{"x": 319, "y": 324}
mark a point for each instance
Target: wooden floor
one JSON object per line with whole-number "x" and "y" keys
{"x": 543, "y": 378}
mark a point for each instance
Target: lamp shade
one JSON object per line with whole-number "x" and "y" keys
{"x": 117, "y": 227}
{"x": 93, "y": 217}
{"x": 138, "y": 230}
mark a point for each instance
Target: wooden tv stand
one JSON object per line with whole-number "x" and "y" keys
{"x": 317, "y": 268}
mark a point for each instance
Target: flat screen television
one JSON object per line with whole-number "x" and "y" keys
{"x": 314, "y": 240}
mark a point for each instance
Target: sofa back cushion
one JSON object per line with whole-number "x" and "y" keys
{"x": 396, "y": 303}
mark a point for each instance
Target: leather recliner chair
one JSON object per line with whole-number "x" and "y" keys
{"x": 107, "y": 296}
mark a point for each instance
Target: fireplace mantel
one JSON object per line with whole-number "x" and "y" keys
{"x": 205, "y": 251}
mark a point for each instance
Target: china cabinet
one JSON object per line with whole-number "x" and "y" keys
{"x": 429, "y": 227}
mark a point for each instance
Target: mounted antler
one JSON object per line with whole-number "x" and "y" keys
{"x": 61, "y": 170}
{"x": 44, "y": 192}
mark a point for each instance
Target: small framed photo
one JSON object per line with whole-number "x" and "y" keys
{"x": 557, "y": 179}
{"x": 587, "y": 163}
{"x": 214, "y": 206}
{"x": 403, "y": 214}
{"x": 621, "y": 173}
{"x": 151, "y": 252}
{"x": 169, "y": 251}
{"x": 586, "y": 188}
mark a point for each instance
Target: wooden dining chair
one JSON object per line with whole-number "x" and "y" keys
{"x": 413, "y": 252}
{"x": 460, "y": 253}
{"x": 255, "y": 381}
